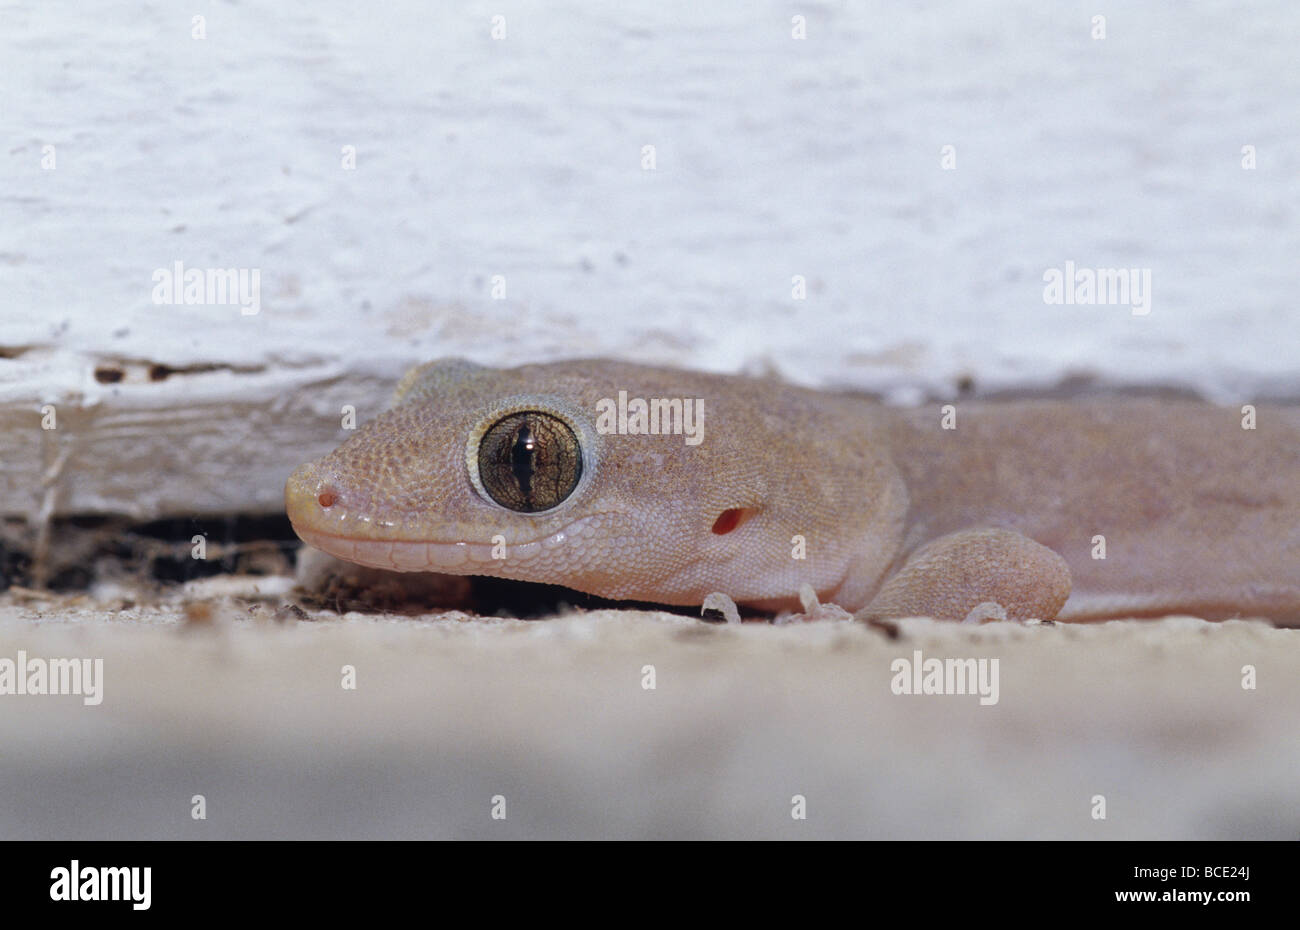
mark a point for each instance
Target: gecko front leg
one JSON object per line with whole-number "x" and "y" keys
{"x": 954, "y": 574}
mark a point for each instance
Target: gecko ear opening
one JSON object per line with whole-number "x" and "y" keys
{"x": 732, "y": 519}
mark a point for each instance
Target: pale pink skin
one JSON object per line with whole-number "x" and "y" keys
{"x": 896, "y": 515}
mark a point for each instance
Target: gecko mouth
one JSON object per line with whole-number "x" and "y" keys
{"x": 341, "y": 522}
{"x": 460, "y": 558}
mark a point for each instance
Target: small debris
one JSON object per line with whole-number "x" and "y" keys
{"x": 198, "y": 615}
{"x": 286, "y": 611}
{"x": 719, "y": 603}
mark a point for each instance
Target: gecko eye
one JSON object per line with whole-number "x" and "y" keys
{"x": 529, "y": 461}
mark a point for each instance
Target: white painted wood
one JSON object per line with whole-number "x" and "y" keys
{"x": 523, "y": 157}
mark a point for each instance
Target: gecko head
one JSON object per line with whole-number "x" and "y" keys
{"x": 504, "y": 472}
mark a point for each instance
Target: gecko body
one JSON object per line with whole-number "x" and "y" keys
{"x": 1074, "y": 510}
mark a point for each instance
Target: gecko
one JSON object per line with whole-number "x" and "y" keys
{"x": 1070, "y": 510}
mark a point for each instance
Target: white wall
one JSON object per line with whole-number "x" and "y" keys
{"x": 522, "y": 157}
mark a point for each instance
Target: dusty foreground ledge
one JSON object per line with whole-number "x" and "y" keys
{"x": 449, "y": 712}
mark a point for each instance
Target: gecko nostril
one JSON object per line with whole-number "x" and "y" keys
{"x": 327, "y": 499}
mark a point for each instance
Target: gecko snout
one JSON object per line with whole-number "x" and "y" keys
{"x": 307, "y": 494}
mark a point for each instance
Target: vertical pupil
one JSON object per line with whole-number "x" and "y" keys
{"x": 529, "y": 461}
{"x": 522, "y": 456}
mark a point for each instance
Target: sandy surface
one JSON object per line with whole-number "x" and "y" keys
{"x": 449, "y": 712}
